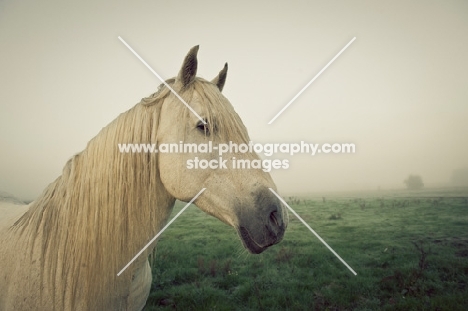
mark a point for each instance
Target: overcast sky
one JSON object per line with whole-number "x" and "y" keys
{"x": 399, "y": 92}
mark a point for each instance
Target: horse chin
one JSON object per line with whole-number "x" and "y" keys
{"x": 249, "y": 243}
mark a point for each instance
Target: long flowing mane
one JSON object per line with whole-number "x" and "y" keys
{"x": 71, "y": 227}
{"x": 100, "y": 192}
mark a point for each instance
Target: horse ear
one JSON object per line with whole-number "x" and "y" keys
{"x": 189, "y": 68}
{"x": 221, "y": 78}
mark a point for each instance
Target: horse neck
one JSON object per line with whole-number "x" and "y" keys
{"x": 103, "y": 209}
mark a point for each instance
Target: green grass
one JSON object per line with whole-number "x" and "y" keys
{"x": 410, "y": 253}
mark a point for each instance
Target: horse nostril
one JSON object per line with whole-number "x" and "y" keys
{"x": 274, "y": 218}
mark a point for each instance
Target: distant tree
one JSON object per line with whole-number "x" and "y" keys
{"x": 414, "y": 182}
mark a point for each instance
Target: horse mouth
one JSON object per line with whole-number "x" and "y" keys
{"x": 249, "y": 243}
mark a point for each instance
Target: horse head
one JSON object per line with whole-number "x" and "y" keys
{"x": 239, "y": 197}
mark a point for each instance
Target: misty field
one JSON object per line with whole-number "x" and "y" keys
{"x": 410, "y": 250}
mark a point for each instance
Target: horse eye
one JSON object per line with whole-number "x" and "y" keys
{"x": 203, "y": 127}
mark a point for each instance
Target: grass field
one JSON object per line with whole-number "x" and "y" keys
{"x": 410, "y": 250}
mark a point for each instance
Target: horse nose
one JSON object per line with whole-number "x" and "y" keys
{"x": 275, "y": 220}
{"x": 271, "y": 213}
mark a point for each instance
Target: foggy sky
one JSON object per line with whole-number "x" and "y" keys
{"x": 399, "y": 92}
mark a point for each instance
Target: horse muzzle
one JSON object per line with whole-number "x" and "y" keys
{"x": 264, "y": 225}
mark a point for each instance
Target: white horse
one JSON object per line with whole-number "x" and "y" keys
{"x": 64, "y": 250}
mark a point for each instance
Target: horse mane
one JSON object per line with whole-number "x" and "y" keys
{"x": 102, "y": 191}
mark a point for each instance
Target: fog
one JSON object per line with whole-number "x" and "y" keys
{"x": 399, "y": 92}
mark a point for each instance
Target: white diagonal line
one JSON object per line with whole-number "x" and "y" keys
{"x": 161, "y": 79}
{"x": 312, "y": 230}
{"x": 160, "y": 232}
{"x": 310, "y": 82}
